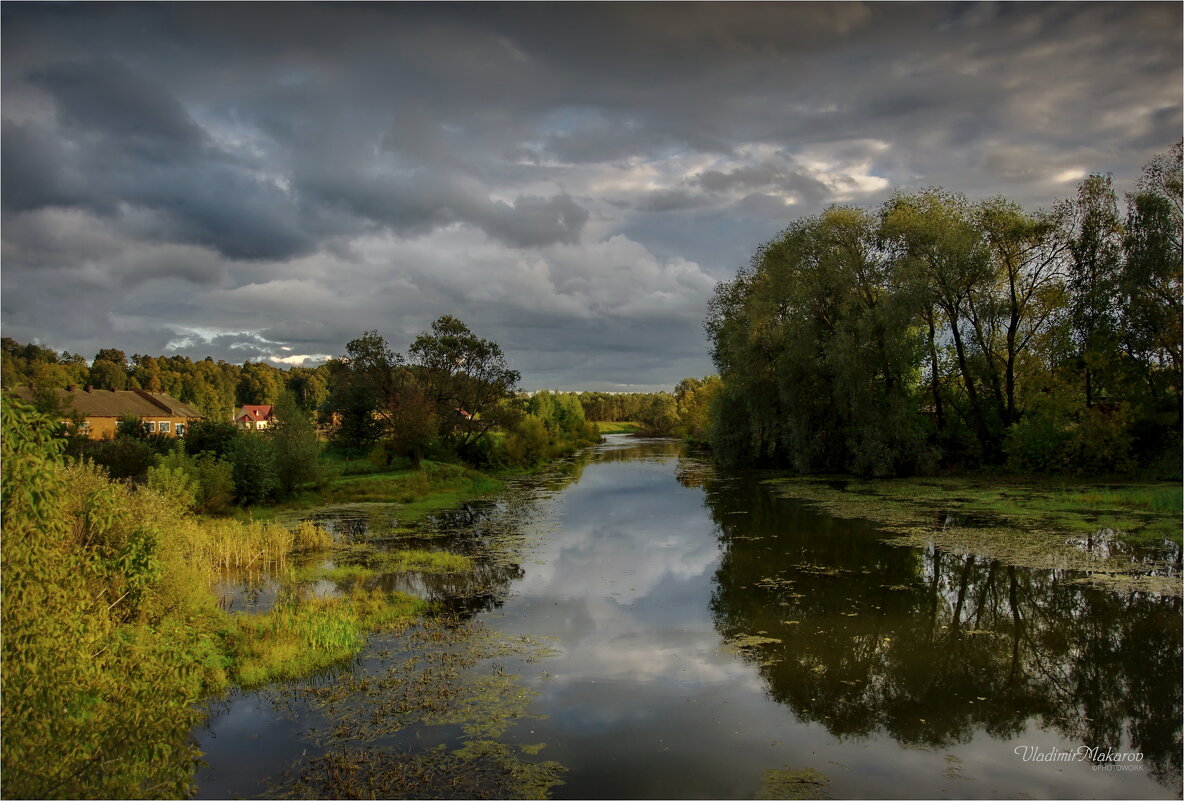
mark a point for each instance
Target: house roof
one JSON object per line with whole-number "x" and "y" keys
{"x": 255, "y": 414}
{"x": 117, "y": 403}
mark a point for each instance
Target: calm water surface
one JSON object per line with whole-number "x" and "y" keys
{"x": 706, "y": 632}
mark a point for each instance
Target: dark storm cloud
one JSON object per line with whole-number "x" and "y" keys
{"x": 273, "y": 179}
{"x": 107, "y": 99}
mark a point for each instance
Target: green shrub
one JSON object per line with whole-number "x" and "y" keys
{"x": 213, "y": 484}
{"x": 124, "y": 457}
{"x": 253, "y": 461}
{"x": 213, "y": 437}
{"x": 528, "y": 443}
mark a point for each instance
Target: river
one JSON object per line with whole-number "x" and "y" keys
{"x": 661, "y": 629}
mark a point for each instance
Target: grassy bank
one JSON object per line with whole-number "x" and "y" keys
{"x": 434, "y": 487}
{"x": 113, "y": 632}
{"x": 1117, "y": 532}
{"x": 618, "y": 427}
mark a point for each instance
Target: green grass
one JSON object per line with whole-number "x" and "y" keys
{"x": 295, "y": 640}
{"x": 432, "y": 488}
{"x": 618, "y": 427}
{"x": 424, "y": 561}
{"x": 338, "y": 574}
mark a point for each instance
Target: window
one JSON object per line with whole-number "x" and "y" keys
{"x": 180, "y": 429}
{"x": 150, "y": 426}
{"x": 165, "y": 426}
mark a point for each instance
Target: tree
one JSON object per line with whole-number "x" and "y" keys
{"x": 259, "y": 383}
{"x": 411, "y": 418}
{"x": 309, "y": 386}
{"x": 213, "y": 437}
{"x": 1026, "y": 295}
{"x": 693, "y": 397}
{"x": 362, "y": 388}
{"x": 1094, "y": 275}
{"x": 817, "y": 350}
{"x": 105, "y": 374}
{"x": 297, "y": 449}
{"x": 466, "y": 378}
{"x": 253, "y": 460}
{"x": 942, "y": 256}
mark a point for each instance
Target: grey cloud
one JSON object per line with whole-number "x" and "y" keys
{"x": 535, "y": 221}
{"x": 33, "y": 172}
{"x": 106, "y": 97}
{"x": 766, "y": 176}
{"x": 164, "y": 155}
{"x": 670, "y": 200}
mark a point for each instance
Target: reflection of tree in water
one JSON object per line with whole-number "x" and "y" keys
{"x": 930, "y": 647}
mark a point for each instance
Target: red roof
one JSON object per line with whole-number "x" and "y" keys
{"x": 256, "y": 414}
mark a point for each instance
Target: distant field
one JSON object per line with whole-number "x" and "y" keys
{"x": 619, "y": 427}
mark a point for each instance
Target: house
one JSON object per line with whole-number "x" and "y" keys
{"x": 158, "y": 413}
{"x": 254, "y": 417}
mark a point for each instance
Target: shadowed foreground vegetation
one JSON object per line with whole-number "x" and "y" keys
{"x": 112, "y": 633}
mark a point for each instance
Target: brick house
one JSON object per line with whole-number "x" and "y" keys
{"x": 159, "y": 413}
{"x": 254, "y": 417}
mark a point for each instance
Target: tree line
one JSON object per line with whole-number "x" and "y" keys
{"x": 935, "y": 331}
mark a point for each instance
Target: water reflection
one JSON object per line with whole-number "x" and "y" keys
{"x": 706, "y": 632}
{"x": 932, "y": 647}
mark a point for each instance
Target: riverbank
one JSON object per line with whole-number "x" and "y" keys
{"x": 1124, "y": 535}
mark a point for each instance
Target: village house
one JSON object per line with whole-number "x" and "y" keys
{"x": 254, "y": 417}
{"x": 102, "y": 409}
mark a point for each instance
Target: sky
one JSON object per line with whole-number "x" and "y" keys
{"x": 269, "y": 181}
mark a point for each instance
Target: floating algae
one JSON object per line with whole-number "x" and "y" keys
{"x": 445, "y": 678}
{"x": 805, "y": 783}
{"x": 1027, "y": 525}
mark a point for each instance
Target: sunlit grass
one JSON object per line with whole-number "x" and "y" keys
{"x": 617, "y": 427}
{"x": 425, "y": 561}
{"x": 294, "y": 640}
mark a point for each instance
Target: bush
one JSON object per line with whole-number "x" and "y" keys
{"x": 124, "y": 457}
{"x": 1064, "y": 437}
{"x": 210, "y": 436}
{"x": 1101, "y": 442}
{"x": 527, "y": 444}
{"x": 214, "y": 486}
{"x": 253, "y": 469}
{"x": 93, "y": 703}
{"x": 174, "y": 484}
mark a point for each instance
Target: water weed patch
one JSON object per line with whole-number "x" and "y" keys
{"x": 1126, "y": 533}
{"x": 300, "y": 638}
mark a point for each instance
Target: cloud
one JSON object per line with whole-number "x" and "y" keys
{"x": 570, "y": 179}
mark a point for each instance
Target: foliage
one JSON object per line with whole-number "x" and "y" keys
{"x": 254, "y": 470}
{"x": 214, "y": 437}
{"x": 111, "y": 632}
{"x": 297, "y": 448}
{"x": 552, "y": 424}
{"x": 659, "y": 417}
{"x": 529, "y": 442}
{"x": 467, "y": 379}
{"x": 124, "y": 457}
{"x": 942, "y": 330}
{"x": 817, "y": 351}
{"x": 95, "y": 701}
{"x": 693, "y": 397}
{"x": 211, "y": 478}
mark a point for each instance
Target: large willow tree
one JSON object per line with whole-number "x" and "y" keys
{"x": 971, "y": 333}
{"x": 820, "y": 354}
